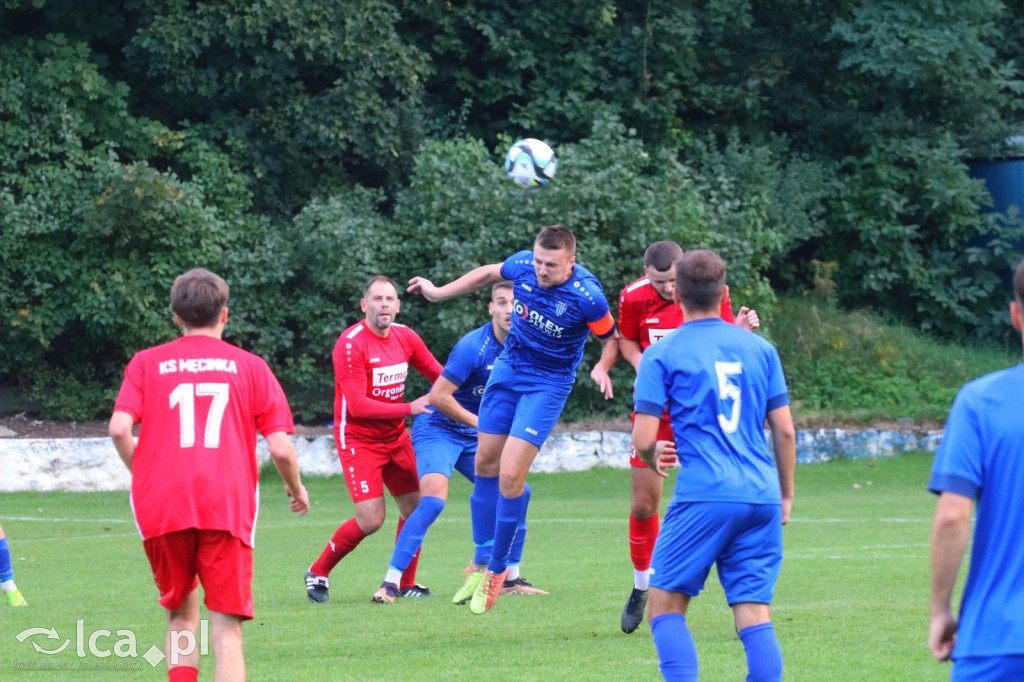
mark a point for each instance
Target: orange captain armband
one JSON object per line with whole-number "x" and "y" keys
{"x": 603, "y": 327}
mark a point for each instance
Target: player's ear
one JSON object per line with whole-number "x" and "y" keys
{"x": 1015, "y": 316}
{"x": 224, "y": 315}
{"x": 362, "y": 304}
{"x": 178, "y": 320}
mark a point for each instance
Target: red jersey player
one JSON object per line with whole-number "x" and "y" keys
{"x": 646, "y": 314}
{"x": 371, "y": 362}
{"x": 195, "y": 480}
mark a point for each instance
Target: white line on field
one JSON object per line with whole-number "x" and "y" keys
{"x": 57, "y": 519}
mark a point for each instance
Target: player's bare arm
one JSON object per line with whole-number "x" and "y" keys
{"x": 420, "y": 405}
{"x": 120, "y": 430}
{"x": 442, "y": 398}
{"x": 950, "y": 533}
{"x": 658, "y": 455}
{"x": 631, "y": 351}
{"x": 282, "y": 451}
{"x": 474, "y": 280}
{"x": 609, "y": 355}
{"x": 780, "y": 420}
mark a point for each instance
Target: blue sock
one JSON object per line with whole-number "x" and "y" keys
{"x": 6, "y": 571}
{"x": 764, "y": 657}
{"x": 483, "y": 505}
{"x": 511, "y": 511}
{"x": 516, "y": 555}
{"x": 414, "y": 530}
{"x": 677, "y": 654}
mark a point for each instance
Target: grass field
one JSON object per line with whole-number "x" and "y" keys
{"x": 851, "y": 603}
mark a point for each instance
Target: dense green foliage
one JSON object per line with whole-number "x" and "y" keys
{"x": 299, "y": 147}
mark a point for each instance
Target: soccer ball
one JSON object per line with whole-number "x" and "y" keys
{"x": 530, "y": 163}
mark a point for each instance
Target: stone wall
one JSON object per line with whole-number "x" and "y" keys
{"x": 92, "y": 463}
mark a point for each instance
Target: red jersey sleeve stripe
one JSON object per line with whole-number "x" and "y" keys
{"x": 603, "y": 327}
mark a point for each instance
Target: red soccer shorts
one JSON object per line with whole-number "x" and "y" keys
{"x": 369, "y": 466}
{"x": 221, "y": 562}
{"x": 664, "y": 433}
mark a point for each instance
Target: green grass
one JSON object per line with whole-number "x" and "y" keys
{"x": 851, "y": 603}
{"x": 855, "y": 367}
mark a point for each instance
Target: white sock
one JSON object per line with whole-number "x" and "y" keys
{"x": 393, "y": 576}
{"x": 513, "y": 572}
{"x": 8, "y": 585}
{"x": 641, "y": 579}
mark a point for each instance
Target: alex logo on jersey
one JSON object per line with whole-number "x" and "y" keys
{"x": 389, "y": 382}
{"x": 537, "y": 320}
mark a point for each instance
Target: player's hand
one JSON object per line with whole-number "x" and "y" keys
{"x": 604, "y": 382}
{"x": 424, "y": 287}
{"x": 787, "y": 507}
{"x": 748, "y": 319}
{"x": 942, "y": 635}
{"x": 420, "y": 405}
{"x": 299, "y": 500}
{"x": 664, "y": 457}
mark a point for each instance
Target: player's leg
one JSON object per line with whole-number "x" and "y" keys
{"x": 363, "y": 464}
{"x": 433, "y": 495}
{"x": 677, "y": 653}
{"x": 514, "y": 582}
{"x": 180, "y": 645}
{"x": 748, "y": 569}
{"x": 224, "y": 566}
{"x": 12, "y": 594}
{"x": 226, "y": 642}
{"x": 400, "y": 477}
{"x": 172, "y": 560}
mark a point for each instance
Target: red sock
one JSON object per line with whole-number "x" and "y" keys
{"x": 642, "y": 535}
{"x": 182, "y": 673}
{"x": 344, "y": 540}
{"x": 409, "y": 576}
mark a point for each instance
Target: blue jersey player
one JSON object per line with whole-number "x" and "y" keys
{"x": 445, "y": 441}
{"x": 981, "y": 461}
{"x": 557, "y": 305}
{"x": 732, "y": 496}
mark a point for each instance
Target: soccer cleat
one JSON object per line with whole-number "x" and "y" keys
{"x": 519, "y": 586}
{"x": 633, "y": 611}
{"x": 487, "y": 592}
{"x": 317, "y": 587}
{"x": 465, "y": 593}
{"x": 14, "y": 598}
{"x": 415, "y": 591}
{"x": 386, "y": 594}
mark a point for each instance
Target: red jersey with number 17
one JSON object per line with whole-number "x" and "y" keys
{"x": 200, "y": 401}
{"x": 369, "y": 381}
{"x": 645, "y": 317}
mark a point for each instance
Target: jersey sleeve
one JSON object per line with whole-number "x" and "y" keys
{"x": 514, "y": 264}
{"x": 274, "y": 414}
{"x": 461, "y": 361}
{"x": 422, "y": 359}
{"x": 130, "y": 395}
{"x": 350, "y": 381}
{"x": 957, "y": 465}
{"x": 778, "y": 392}
{"x": 629, "y": 321}
{"x": 649, "y": 392}
{"x": 598, "y": 315}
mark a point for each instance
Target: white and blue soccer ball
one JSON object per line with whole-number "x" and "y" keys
{"x": 530, "y": 163}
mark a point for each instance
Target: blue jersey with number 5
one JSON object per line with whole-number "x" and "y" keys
{"x": 718, "y": 382}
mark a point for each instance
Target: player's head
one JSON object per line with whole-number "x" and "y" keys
{"x": 554, "y": 253}
{"x": 659, "y": 266}
{"x": 1017, "y": 306}
{"x": 380, "y": 303}
{"x": 700, "y": 280}
{"x": 199, "y": 298}
{"x": 500, "y": 306}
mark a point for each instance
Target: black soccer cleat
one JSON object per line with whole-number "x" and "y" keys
{"x": 317, "y": 588}
{"x": 633, "y": 611}
{"x": 415, "y": 591}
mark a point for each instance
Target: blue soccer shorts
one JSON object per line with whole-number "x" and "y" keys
{"x": 743, "y": 540}
{"x": 523, "y": 405}
{"x": 988, "y": 668}
{"x": 441, "y": 451}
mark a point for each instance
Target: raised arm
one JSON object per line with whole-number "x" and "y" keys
{"x": 474, "y": 280}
